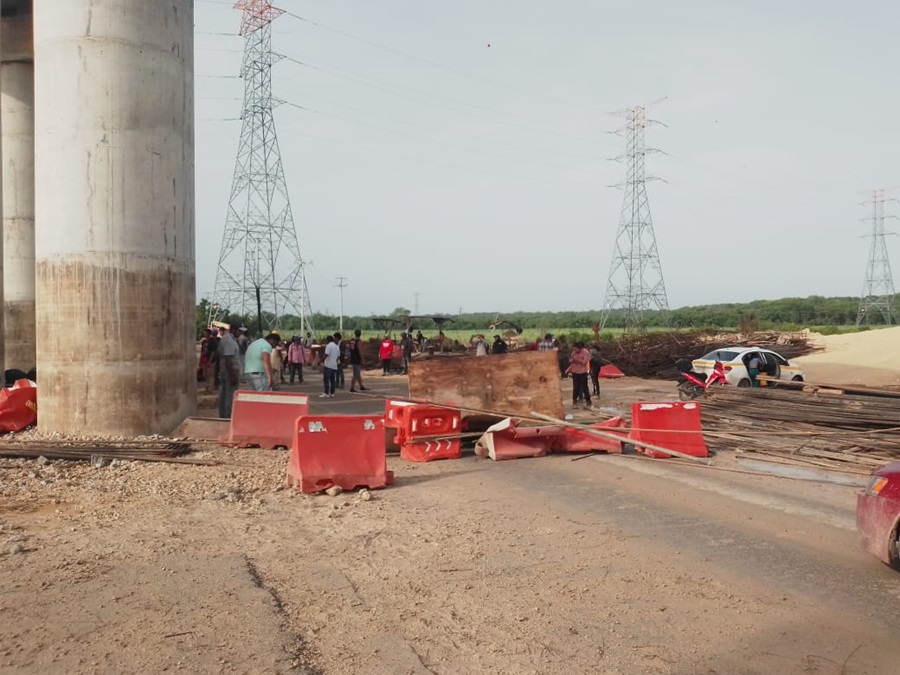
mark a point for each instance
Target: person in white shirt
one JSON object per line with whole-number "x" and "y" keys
{"x": 332, "y": 354}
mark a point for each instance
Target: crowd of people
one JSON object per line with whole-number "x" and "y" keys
{"x": 228, "y": 358}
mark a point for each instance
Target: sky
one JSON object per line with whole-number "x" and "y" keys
{"x": 456, "y": 156}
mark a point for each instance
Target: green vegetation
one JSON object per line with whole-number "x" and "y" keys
{"x": 818, "y": 313}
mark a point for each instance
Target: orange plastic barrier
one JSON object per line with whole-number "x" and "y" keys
{"x": 343, "y": 450}
{"x": 18, "y": 406}
{"x": 655, "y": 423}
{"x": 505, "y": 440}
{"x": 610, "y": 372}
{"x": 414, "y": 420}
{"x": 576, "y": 440}
{"x": 265, "y": 418}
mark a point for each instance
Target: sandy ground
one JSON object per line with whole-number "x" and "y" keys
{"x": 866, "y": 358}
{"x": 602, "y": 565}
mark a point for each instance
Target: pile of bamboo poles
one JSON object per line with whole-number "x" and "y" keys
{"x": 654, "y": 354}
{"x": 855, "y": 433}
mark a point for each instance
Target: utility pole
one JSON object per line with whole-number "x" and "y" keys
{"x": 635, "y": 281}
{"x": 260, "y": 268}
{"x": 878, "y": 289}
{"x": 416, "y": 304}
{"x": 342, "y": 284}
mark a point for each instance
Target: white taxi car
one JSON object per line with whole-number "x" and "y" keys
{"x": 736, "y": 359}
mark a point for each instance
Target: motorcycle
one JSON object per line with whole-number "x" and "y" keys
{"x": 694, "y": 384}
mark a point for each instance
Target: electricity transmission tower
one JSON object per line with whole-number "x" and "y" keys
{"x": 261, "y": 271}
{"x": 635, "y": 276}
{"x": 878, "y": 289}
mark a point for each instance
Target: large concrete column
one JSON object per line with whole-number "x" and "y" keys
{"x": 114, "y": 177}
{"x": 17, "y": 138}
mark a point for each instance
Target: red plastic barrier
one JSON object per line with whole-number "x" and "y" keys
{"x": 343, "y": 450}
{"x": 610, "y": 372}
{"x": 427, "y": 451}
{"x": 395, "y": 413}
{"x": 505, "y": 440}
{"x": 414, "y": 420}
{"x": 18, "y": 406}
{"x": 265, "y": 418}
{"x": 576, "y": 440}
{"x": 675, "y": 425}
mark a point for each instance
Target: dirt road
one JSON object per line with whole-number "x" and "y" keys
{"x": 604, "y": 565}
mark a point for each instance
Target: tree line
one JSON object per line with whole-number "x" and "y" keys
{"x": 782, "y": 314}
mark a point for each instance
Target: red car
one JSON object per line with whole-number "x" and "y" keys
{"x": 878, "y": 514}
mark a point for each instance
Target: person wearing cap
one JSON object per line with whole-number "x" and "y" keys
{"x": 499, "y": 346}
{"x": 258, "y": 368}
{"x": 546, "y": 345}
{"x": 229, "y": 369}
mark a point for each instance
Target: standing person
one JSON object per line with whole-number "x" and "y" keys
{"x": 563, "y": 350}
{"x": 308, "y": 340}
{"x": 596, "y": 363}
{"x": 579, "y": 359}
{"x": 258, "y": 363}
{"x": 206, "y": 364}
{"x": 499, "y": 346}
{"x": 243, "y": 342}
{"x": 406, "y": 347}
{"x": 386, "y": 353}
{"x": 277, "y": 361}
{"x": 212, "y": 346}
{"x": 420, "y": 341}
{"x": 229, "y": 369}
{"x": 356, "y": 362}
{"x": 296, "y": 357}
{"x": 342, "y": 359}
{"x": 330, "y": 366}
{"x": 481, "y": 347}
{"x": 547, "y": 344}
{"x": 753, "y": 366}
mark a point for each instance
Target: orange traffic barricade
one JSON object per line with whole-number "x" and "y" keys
{"x": 672, "y": 424}
{"x": 343, "y": 450}
{"x": 265, "y": 418}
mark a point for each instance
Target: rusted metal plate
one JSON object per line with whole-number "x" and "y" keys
{"x": 517, "y": 383}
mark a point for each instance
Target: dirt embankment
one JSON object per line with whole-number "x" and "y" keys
{"x": 868, "y": 358}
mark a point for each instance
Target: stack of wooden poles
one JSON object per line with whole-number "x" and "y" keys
{"x": 824, "y": 428}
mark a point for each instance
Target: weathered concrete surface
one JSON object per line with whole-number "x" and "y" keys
{"x": 114, "y": 148}
{"x": 17, "y": 121}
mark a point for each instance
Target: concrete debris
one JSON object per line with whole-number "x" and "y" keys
{"x": 365, "y": 495}
{"x": 43, "y": 461}
{"x": 334, "y": 491}
{"x": 16, "y": 549}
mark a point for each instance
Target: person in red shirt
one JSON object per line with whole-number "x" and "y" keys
{"x": 386, "y": 353}
{"x": 579, "y": 360}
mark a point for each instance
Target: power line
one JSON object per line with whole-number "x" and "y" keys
{"x": 434, "y": 64}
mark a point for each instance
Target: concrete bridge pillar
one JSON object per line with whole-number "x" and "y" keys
{"x": 17, "y": 160}
{"x": 114, "y": 196}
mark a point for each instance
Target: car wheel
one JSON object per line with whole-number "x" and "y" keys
{"x": 894, "y": 547}
{"x": 797, "y": 378}
{"x": 745, "y": 383}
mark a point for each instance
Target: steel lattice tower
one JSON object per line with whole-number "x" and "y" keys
{"x": 260, "y": 268}
{"x": 635, "y": 276}
{"x": 878, "y": 289}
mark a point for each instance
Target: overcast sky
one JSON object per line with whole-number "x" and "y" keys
{"x": 459, "y": 150}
